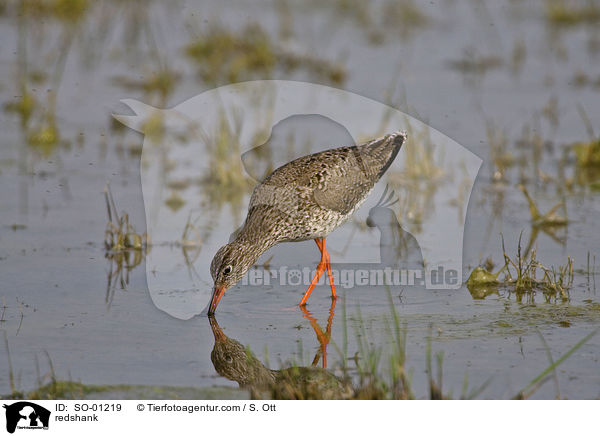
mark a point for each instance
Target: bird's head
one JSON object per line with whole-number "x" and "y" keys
{"x": 229, "y": 265}
{"x": 236, "y": 362}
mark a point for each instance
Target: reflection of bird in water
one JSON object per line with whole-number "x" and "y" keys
{"x": 234, "y": 361}
{"x": 305, "y": 199}
{"x": 322, "y": 336}
{"x": 398, "y": 248}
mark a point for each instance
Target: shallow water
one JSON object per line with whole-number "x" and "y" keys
{"x": 55, "y": 291}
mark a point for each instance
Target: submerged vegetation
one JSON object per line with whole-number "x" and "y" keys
{"x": 419, "y": 179}
{"x": 521, "y": 273}
{"x": 125, "y": 248}
{"x": 388, "y": 20}
{"x": 549, "y": 223}
{"x": 572, "y": 13}
{"x": 501, "y": 158}
{"x": 588, "y": 154}
{"x": 120, "y": 235}
{"x": 65, "y": 10}
{"x": 223, "y": 56}
{"x": 476, "y": 64}
{"x": 38, "y": 115}
{"x": 550, "y": 218}
{"x": 226, "y": 181}
{"x": 586, "y": 171}
{"x": 161, "y": 83}
{"x": 583, "y": 79}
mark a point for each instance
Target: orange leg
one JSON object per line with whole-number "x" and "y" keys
{"x": 321, "y": 267}
{"x": 322, "y": 336}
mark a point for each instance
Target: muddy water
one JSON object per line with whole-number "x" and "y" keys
{"x": 463, "y": 71}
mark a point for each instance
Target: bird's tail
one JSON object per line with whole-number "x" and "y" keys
{"x": 382, "y": 151}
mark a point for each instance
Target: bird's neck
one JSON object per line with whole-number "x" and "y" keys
{"x": 255, "y": 242}
{"x": 262, "y": 241}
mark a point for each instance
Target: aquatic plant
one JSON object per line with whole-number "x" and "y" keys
{"x": 125, "y": 248}
{"x": 550, "y": 111}
{"x": 542, "y": 377}
{"x": 582, "y": 79}
{"x": 45, "y": 138}
{"x": 549, "y": 223}
{"x": 11, "y": 374}
{"x": 482, "y": 282}
{"x": 405, "y": 16}
{"x": 23, "y": 107}
{"x": 572, "y": 13}
{"x": 374, "y": 380}
{"x": 223, "y": 56}
{"x": 388, "y": 19}
{"x": 474, "y": 63}
{"x": 160, "y": 83}
{"x": 501, "y": 158}
{"x": 38, "y": 123}
{"x": 587, "y": 153}
{"x": 584, "y": 157}
{"x": 518, "y": 56}
{"x": 225, "y": 181}
{"x": 418, "y": 181}
{"x": 550, "y": 218}
{"x": 120, "y": 235}
{"x": 175, "y": 201}
{"x": 38, "y": 118}
{"x": 69, "y": 11}
{"x": 533, "y": 148}
{"x": 523, "y": 274}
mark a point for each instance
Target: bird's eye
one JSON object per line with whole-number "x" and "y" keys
{"x": 227, "y": 270}
{"x": 228, "y": 358}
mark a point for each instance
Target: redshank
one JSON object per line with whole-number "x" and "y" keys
{"x": 304, "y": 199}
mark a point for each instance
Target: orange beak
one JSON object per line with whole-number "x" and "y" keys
{"x": 219, "y": 335}
{"x": 216, "y": 297}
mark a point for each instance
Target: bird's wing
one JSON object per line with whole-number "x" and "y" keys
{"x": 342, "y": 185}
{"x": 341, "y": 193}
{"x": 335, "y": 179}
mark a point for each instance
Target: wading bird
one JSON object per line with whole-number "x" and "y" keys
{"x": 306, "y": 198}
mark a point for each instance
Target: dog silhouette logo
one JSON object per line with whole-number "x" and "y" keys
{"x": 26, "y": 415}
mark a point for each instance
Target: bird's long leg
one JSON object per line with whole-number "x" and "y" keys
{"x": 323, "y": 264}
{"x": 329, "y": 273}
{"x": 320, "y": 269}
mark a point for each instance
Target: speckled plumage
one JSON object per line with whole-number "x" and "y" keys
{"x": 310, "y": 196}
{"x": 306, "y": 198}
